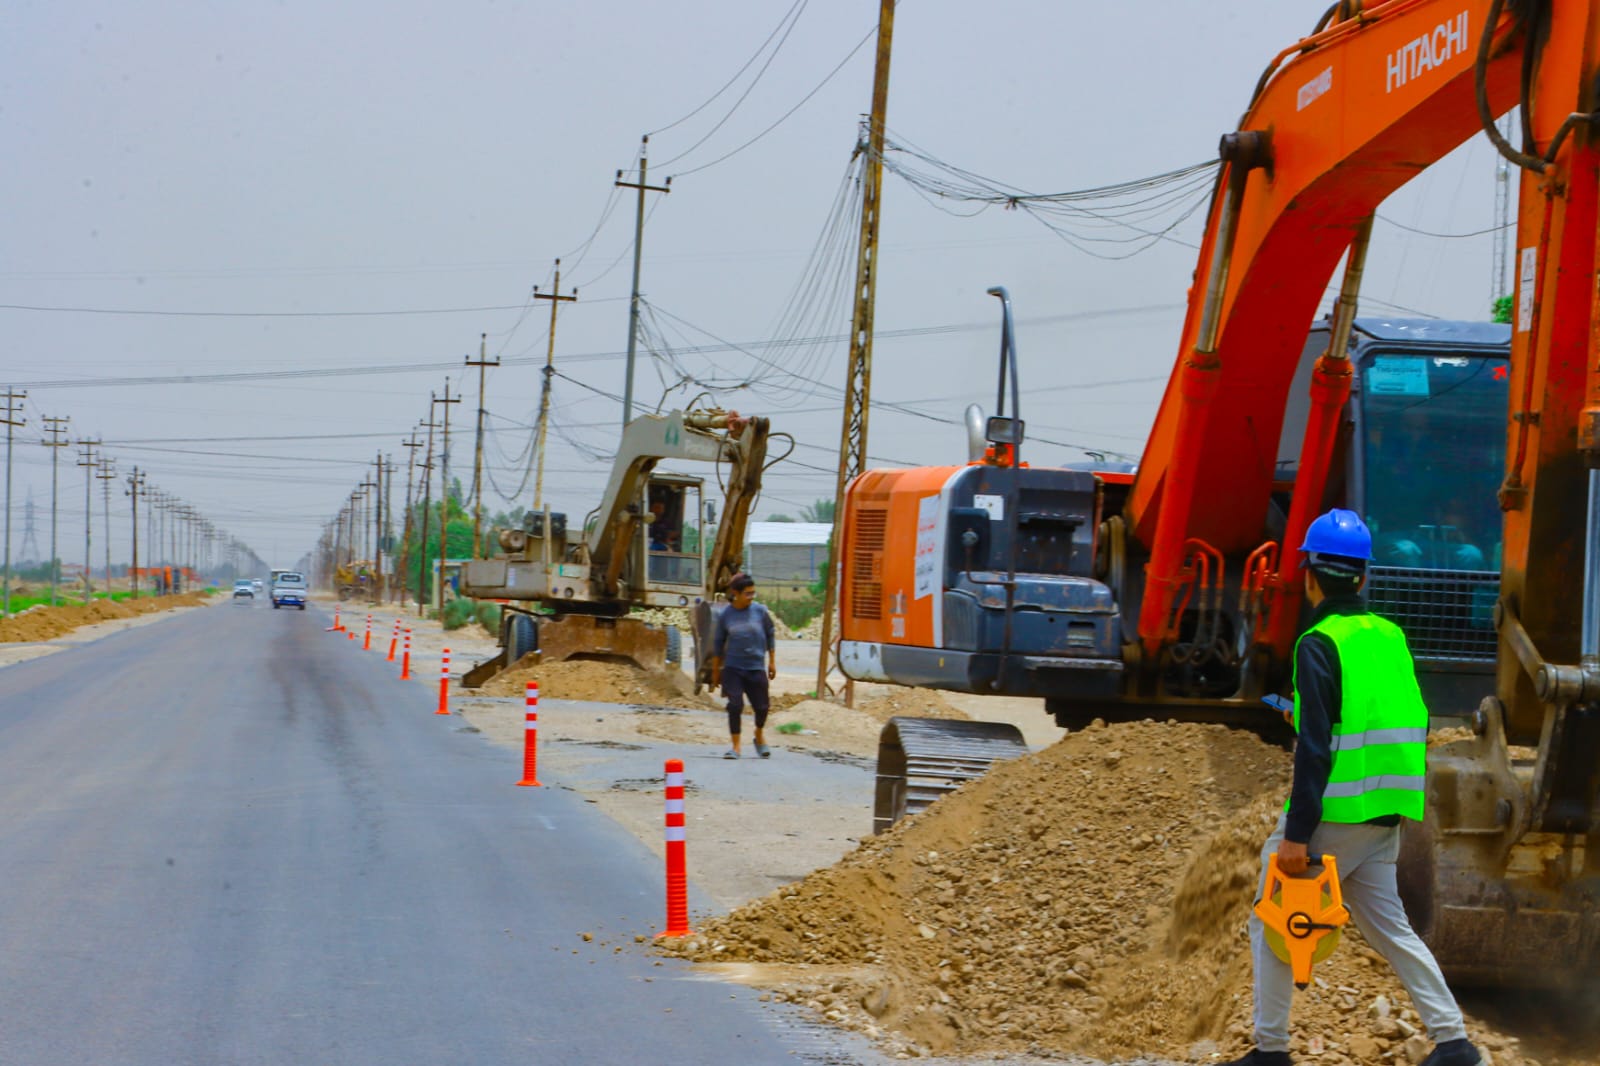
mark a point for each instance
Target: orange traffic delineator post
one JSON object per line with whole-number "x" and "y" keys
{"x": 366, "y": 641}
{"x": 444, "y": 682}
{"x": 336, "y": 627}
{"x": 677, "y": 873}
{"x": 405, "y": 663}
{"x": 394, "y": 640}
{"x": 530, "y": 737}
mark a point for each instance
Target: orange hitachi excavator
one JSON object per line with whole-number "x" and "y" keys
{"x": 1173, "y": 590}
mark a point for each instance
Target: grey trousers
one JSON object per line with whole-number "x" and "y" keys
{"x": 1366, "y": 856}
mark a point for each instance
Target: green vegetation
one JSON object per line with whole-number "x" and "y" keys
{"x": 796, "y": 612}
{"x": 458, "y": 613}
{"x": 67, "y": 597}
{"x": 1502, "y": 310}
{"x": 489, "y": 616}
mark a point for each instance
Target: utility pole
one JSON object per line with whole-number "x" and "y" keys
{"x": 13, "y": 410}
{"x": 410, "y": 444}
{"x": 858, "y": 381}
{"x": 151, "y": 546}
{"x": 444, "y": 494}
{"x": 555, "y": 298}
{"x": 377, "y": 530}
{"x": 57, "y": 428}
{"x": 427, "y": 504}
{"x": 86, "y": 460}
{"x": 638, "y": 247}
{"x": 388, "y": 521}
{"x": 369, "y": 493}
{"x": 107, "y": 474}
{"x": 477, "y": 452}
{"x": 135, "y": 487}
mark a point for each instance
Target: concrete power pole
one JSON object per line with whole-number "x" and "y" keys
{"x": 13, "y": 409}
{"x": 369, "y": 493}
{"x": 555, "y": 298}
{"x": 858, "y": 381}
{"x": 638, "y": 249}
{"x": 57, "y": 428}
{"x": 427, "y": 505}
{"x": 86, "y": 459}
{"x": 444, "y": 494}
{"x": 107, "y": 474}
{"x": 410, "y": 444}
{"x": 135, "y": 490}
{"x": 482, "y": 364}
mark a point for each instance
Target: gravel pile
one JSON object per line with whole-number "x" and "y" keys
{"x": 1092, "y": 899}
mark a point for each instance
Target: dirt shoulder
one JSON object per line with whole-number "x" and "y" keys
{"x": 46, "y": 630}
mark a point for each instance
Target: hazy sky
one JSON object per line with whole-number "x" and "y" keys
{"x": 270, "y": 175}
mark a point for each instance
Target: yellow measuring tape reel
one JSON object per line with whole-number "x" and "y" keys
{"x": 1302, "y": 915}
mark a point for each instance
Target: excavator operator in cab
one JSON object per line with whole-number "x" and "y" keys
{"x": 1359, "y": 768}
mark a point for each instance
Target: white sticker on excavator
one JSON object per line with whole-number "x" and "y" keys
{"x": 926, "y": 569}
{"x": 1527, "y": 276}
{"x": 995, "y": 505}
{"x": 1404, "y": 376}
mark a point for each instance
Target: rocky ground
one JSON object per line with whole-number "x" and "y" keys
{"x": 1088, "y": 900}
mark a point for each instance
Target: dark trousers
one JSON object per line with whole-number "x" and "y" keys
{"x": 738, "y": 685}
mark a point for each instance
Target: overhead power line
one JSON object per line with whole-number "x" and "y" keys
{"x": 453, "y": 364}
{"x": 257, "y": 314}
{"x": 787, "y": 15}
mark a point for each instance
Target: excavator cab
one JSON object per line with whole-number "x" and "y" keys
{"x": 673, "y": 537}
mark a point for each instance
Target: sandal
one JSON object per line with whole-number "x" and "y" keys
{"x": 763, "y": 751}
{"x": 730, "y": 754}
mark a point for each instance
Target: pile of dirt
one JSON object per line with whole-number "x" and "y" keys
{"x": 909, "y": 702}
{"x": 606, "y": 682}
{"x": 1091, "y": 899}
{"x": 48, "y": 623}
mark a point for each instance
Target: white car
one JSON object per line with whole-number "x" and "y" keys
{"x": 289, "y": 590}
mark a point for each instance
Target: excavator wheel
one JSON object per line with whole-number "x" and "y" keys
{"x": 921, "y": 759}
{"x": 521, "y": 636}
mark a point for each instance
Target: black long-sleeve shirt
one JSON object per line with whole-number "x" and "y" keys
{"x": 1317, "y": 682}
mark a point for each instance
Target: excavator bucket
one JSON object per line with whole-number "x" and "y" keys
{"x": 920, "y": 759}
{"x": 581, "y": 636}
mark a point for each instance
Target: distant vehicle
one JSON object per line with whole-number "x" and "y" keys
{"x": 288, "y": 589}
{"x": 243, "y": 590}
{"x": 255, "y": 584}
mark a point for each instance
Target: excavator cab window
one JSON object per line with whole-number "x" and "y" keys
{"x": 673, "y": 542}
{"x": 1434, "y": 427}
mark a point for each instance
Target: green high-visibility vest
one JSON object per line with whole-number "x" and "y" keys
{"x": 1380, "y": 742}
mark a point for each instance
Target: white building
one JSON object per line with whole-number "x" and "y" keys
{"x": 786, "y": 558}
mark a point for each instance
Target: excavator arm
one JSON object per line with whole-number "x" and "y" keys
{"x": 1504, "y": 881}
{"x": 715, "y": 437}
{"x": 1339, "y": 121}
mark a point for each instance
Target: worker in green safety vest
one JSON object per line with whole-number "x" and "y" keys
{"x": 1359, "y": 768}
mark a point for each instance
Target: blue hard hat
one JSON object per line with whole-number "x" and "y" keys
{"x": 1340, "y": 533}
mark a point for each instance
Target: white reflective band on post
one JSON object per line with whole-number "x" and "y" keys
{"x": 674, "y": 832}
{"x": 1347, "y": 789}
{"x": 674, "y": 780}
{"x": 532, "y": 727}
{"x": 674, "y": 806}
{"x": 1373, "y": 737}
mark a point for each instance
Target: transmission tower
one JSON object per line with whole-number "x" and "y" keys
{"x": 30, "y": 539}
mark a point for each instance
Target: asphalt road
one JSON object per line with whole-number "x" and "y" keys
{"x": 224, "y": 840}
